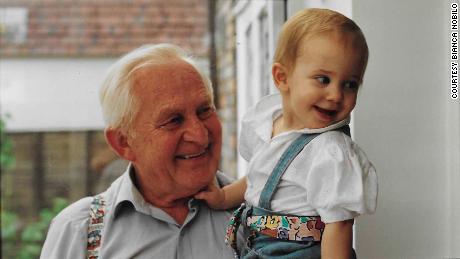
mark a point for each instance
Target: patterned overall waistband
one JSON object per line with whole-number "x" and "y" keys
{"x": 294, "y": 228}
{"x": 283, "y": 227}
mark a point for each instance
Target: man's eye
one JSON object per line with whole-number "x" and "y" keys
{"x": 205, "y": 112}
{"x": 351, "y": 85}
{"x": 324, "y": 80}
{"x": 172, "y": 122}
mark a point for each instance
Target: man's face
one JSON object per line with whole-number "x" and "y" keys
{"x": 176, "y": 135}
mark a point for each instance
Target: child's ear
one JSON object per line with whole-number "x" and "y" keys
{"x": 279, "y": 73}
{"x": 118, "y": 141}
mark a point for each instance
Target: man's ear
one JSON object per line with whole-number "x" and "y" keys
{"x": 279, "y": 73}
{"x": 119, "y": 143}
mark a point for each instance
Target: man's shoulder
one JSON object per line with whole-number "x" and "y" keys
{"x": 66, "y": 236}
{"x": 75, "y": 213}
{"x": 79, "y": 210}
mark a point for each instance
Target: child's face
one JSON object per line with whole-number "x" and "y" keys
{"x": 323, "y": 85}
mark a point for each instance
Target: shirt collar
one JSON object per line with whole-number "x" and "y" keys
{"x": 269, "y": 108}
{"x": 127, "y": 192}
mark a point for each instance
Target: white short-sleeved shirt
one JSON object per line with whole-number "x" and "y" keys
{"x": 331, "y": 177}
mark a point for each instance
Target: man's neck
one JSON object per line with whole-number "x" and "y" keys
{"x": 179, "y": 214}
{"x": 177, "y": 209}
{"x": 169, "y": 202}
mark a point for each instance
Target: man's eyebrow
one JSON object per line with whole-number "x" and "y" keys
{"x": 168, "y": 110}
{"x": 165, "y": 111}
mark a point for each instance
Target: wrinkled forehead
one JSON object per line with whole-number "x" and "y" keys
{"x": 176, "y": 74}
{"x": 169, "y": 70}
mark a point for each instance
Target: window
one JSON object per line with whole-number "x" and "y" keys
{"x": 13, "y": 24}
{"x": 257, "y": 25}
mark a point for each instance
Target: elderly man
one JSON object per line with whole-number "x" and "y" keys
{"x": 160, "y": 116}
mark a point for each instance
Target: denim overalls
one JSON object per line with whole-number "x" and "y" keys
{"x": 272, "y": 235}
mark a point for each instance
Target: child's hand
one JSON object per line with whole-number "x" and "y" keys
{"x": 213, "y": 195}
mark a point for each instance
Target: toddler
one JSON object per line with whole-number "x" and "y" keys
{"x": 307, "y": 180}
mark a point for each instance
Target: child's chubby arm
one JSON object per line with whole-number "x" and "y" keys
{"x": 228, "y": 197}
{"x": 337, "y": 241}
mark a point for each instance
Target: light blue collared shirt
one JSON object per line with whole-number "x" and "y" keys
{"x": 136, "y": 229}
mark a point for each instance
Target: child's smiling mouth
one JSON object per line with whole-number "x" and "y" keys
{"x": 326, "y": 113}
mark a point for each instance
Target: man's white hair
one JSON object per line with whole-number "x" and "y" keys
{"x": 119, "y": 104}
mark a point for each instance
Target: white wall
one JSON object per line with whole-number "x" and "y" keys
{"x": 52, "y": 94}
{"x": 409, "y": 127}
{"x": 342, "y": 6}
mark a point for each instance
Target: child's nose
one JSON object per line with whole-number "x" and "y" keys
{"x": 335, "y": 93}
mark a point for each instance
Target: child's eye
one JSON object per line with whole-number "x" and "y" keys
{"x": 324, "y": 80}
{"x": 351, "y": 85}
{"x": 205, "y": 112}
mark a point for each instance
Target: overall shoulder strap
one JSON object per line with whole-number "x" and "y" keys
{"x": 286, "y": 158}
{"x": 96, "y": 224}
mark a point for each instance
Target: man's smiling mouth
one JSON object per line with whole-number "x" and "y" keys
{"x": 190, "y": 156}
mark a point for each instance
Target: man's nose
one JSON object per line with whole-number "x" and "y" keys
{"x": 196, "y": 132}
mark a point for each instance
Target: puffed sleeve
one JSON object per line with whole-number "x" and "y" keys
{"x": 247, "y": 139}
{"x": 342, "y": 182}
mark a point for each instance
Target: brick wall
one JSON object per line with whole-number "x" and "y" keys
{"x": 96, "y": 28}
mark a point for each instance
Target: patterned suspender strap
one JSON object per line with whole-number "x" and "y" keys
{"x": 232, "y": 228}
{"x": 96, "y": 224}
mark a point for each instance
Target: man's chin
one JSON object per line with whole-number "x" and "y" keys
{"x": 194, "y": 187}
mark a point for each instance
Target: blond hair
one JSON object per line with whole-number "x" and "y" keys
{"x": 310, "y": 22}
{"x": 119, "y": 104}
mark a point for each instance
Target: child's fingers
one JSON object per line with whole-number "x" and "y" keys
{"x": 213, "y": 186}
{"x": 203, "y": 195}
{"x": 212, "y": 194}
{"x": 200, "y": 196}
